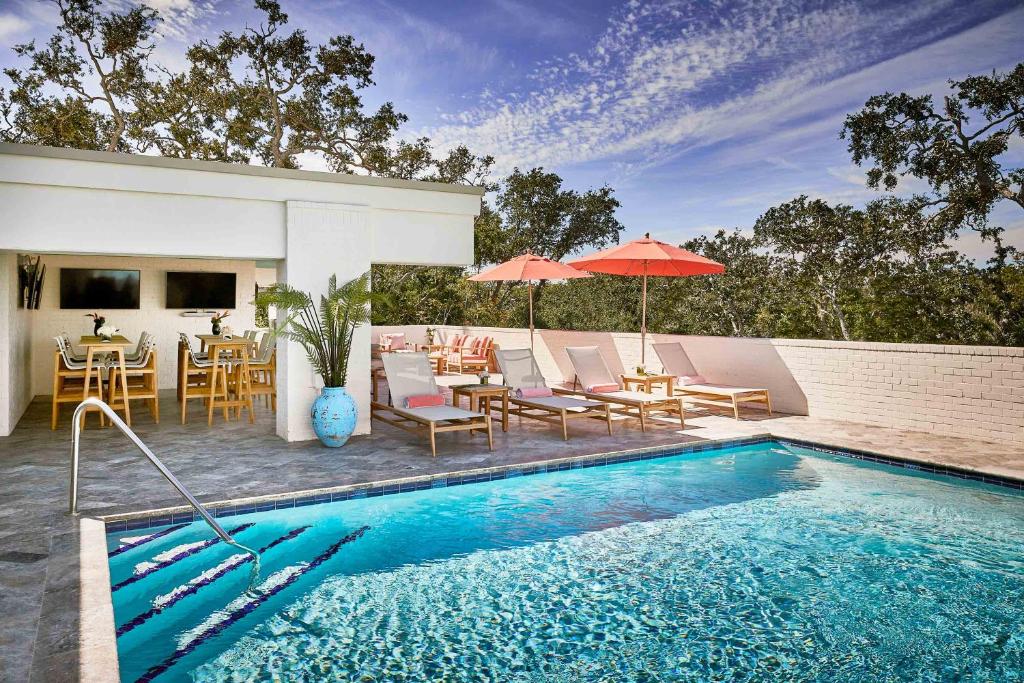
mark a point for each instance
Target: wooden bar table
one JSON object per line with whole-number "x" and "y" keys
{"x": 239, "y": 348}
{"x": 116, "y": 346}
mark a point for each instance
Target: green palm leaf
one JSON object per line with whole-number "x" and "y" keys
{"x": 325, "y": 332}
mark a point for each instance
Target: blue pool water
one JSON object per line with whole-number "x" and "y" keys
{"x": 754, "y": 563}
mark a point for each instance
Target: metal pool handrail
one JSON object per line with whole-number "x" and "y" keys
{"x": 76, "y": 438}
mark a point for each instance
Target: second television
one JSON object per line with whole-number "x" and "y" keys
{"x": 200, "y": 290}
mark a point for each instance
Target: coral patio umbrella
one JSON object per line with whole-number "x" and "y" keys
{"x": 527, "y": 268}
{"x": 647, "y": 257}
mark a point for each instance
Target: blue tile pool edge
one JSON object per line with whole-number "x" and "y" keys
{"x": 145, "y": 520}
{"x": 906, "y": 463}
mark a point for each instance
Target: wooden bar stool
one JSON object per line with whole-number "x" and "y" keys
{"x": 69, "y": 380}
{"x": 142, "y": 381}
{"x": 195, "y": 377}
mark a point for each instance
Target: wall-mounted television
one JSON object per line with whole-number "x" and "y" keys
{"x": 200, "y": 290}
{"x": 95, "y": 289}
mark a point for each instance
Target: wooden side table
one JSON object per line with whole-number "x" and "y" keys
{"x": 480, "y": 397}
{"x": 645, "y": 383}
{"x": 116, "y": 346}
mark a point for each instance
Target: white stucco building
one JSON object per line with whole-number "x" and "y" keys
{"x": 88, "y": 209}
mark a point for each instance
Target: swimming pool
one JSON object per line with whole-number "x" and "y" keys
{"x": 759, "y": 562}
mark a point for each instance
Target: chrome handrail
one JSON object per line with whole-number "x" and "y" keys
{"x": 76, "y": 437}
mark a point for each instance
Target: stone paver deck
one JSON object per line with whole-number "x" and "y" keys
{"x": 39, "y": 541}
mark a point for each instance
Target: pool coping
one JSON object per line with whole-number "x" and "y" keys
{"x": 97, "y": 652}
{"x": 144, "y": 519}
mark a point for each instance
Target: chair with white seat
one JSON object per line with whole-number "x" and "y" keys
{"x": 66, "y": 375}
{"x": 531, "y": 397}
{"x": 263, "y": 371}
{"x": 418, "y": 405}
{"x": 598, "y": 384}
{"x": 195, "y": 372}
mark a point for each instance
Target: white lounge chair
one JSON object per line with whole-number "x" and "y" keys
{"x": 520, "y": 371}
{"x": 698, "y": 390}
{"x": 410, "y": 375}
{"x": 593, "y": 373}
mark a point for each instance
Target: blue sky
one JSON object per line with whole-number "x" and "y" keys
{"x": 700, "y": 114}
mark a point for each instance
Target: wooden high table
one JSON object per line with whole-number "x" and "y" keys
{"x": 239, "y": 348}
{"x": 116, "y": 346}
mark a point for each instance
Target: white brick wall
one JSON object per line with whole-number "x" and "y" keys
{"x": 152, "y": 315}
{"x": 972, "y": 391}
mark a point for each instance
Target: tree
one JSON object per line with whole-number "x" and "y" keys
{"x": 290, "y": 97}
{"x": 534, "y": 213}
{"x": 957, "y": 148}
{"x": 747, "y": 300}
{"x": 903, "y": 135}
{"x": 98, "y": 64}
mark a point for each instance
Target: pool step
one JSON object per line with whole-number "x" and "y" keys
{"x": 172, "y": 557}
{"x": 134, "y": 543}
{"x": 168, "y": 600}
{"x": 243, "y": 605}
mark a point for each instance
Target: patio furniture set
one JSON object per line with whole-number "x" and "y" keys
{"x": 227, "y": 373}
{"x": 418, "y": 405}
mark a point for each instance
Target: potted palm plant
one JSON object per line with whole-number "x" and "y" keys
{"x": 325, "y": 332}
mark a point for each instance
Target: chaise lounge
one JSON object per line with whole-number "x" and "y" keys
{"x": 418, "y": 406}
{"x": 533, "y": 399}
{"x": 695, "y": 388}
{"x": 598, "y": 384}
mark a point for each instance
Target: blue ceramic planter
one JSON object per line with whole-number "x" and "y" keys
{"x": 334, "y": 416}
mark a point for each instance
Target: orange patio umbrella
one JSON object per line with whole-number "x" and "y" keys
{"x": 647, "y": 257}
{"x": 527, "y": 268}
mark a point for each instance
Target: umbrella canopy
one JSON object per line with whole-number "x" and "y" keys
{"x": 648, "y": 257}
{"x": 645, "y": 257}
{"x": 527, "y": 268}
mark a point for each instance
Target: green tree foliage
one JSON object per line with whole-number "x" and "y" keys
{"x": 82, "y": 87}
{"x": 958, "y": 148}
{"x": 288, "y": 96}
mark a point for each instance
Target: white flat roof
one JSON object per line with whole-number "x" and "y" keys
{"x": 234, "y": 169}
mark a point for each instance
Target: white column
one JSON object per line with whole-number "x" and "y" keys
{"x": 322, "y": 240}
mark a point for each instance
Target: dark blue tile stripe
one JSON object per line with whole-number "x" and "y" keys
{"x": 143, "y": 541}
{"x": 258, "y": 599}
{"x": 176, "y": 558}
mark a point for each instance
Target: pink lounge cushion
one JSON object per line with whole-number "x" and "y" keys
{"x": 534, "y": 392}
{"x": 602, "y": 388}
{"x": 686, "y": 380}
{"x": 424, "y": 400}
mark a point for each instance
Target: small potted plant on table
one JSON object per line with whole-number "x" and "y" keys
{"x": 98, "y": 321}
{"x": 216, "y": 319}
{"x": 325, "y": 332}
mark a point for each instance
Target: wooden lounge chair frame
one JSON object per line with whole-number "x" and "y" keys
{"x": 710, "y": 393}
{"x": 537, "y": 409}
{"x": 417, "y": 420}
{"x": 633, "y": 404}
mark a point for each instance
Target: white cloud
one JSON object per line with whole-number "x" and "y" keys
{"x": 12, "y": 27}
{"x": 668, "y": 77}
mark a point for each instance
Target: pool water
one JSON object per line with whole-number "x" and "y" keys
{"x": 754, "y": 563}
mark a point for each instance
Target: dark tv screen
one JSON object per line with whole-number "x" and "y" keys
{"x": 94, "y": 289}
{"x": 200, "y": 290}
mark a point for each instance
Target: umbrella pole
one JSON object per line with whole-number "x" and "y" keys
{"x": 643, "y": 321}
{"x": 530, "y": 286}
